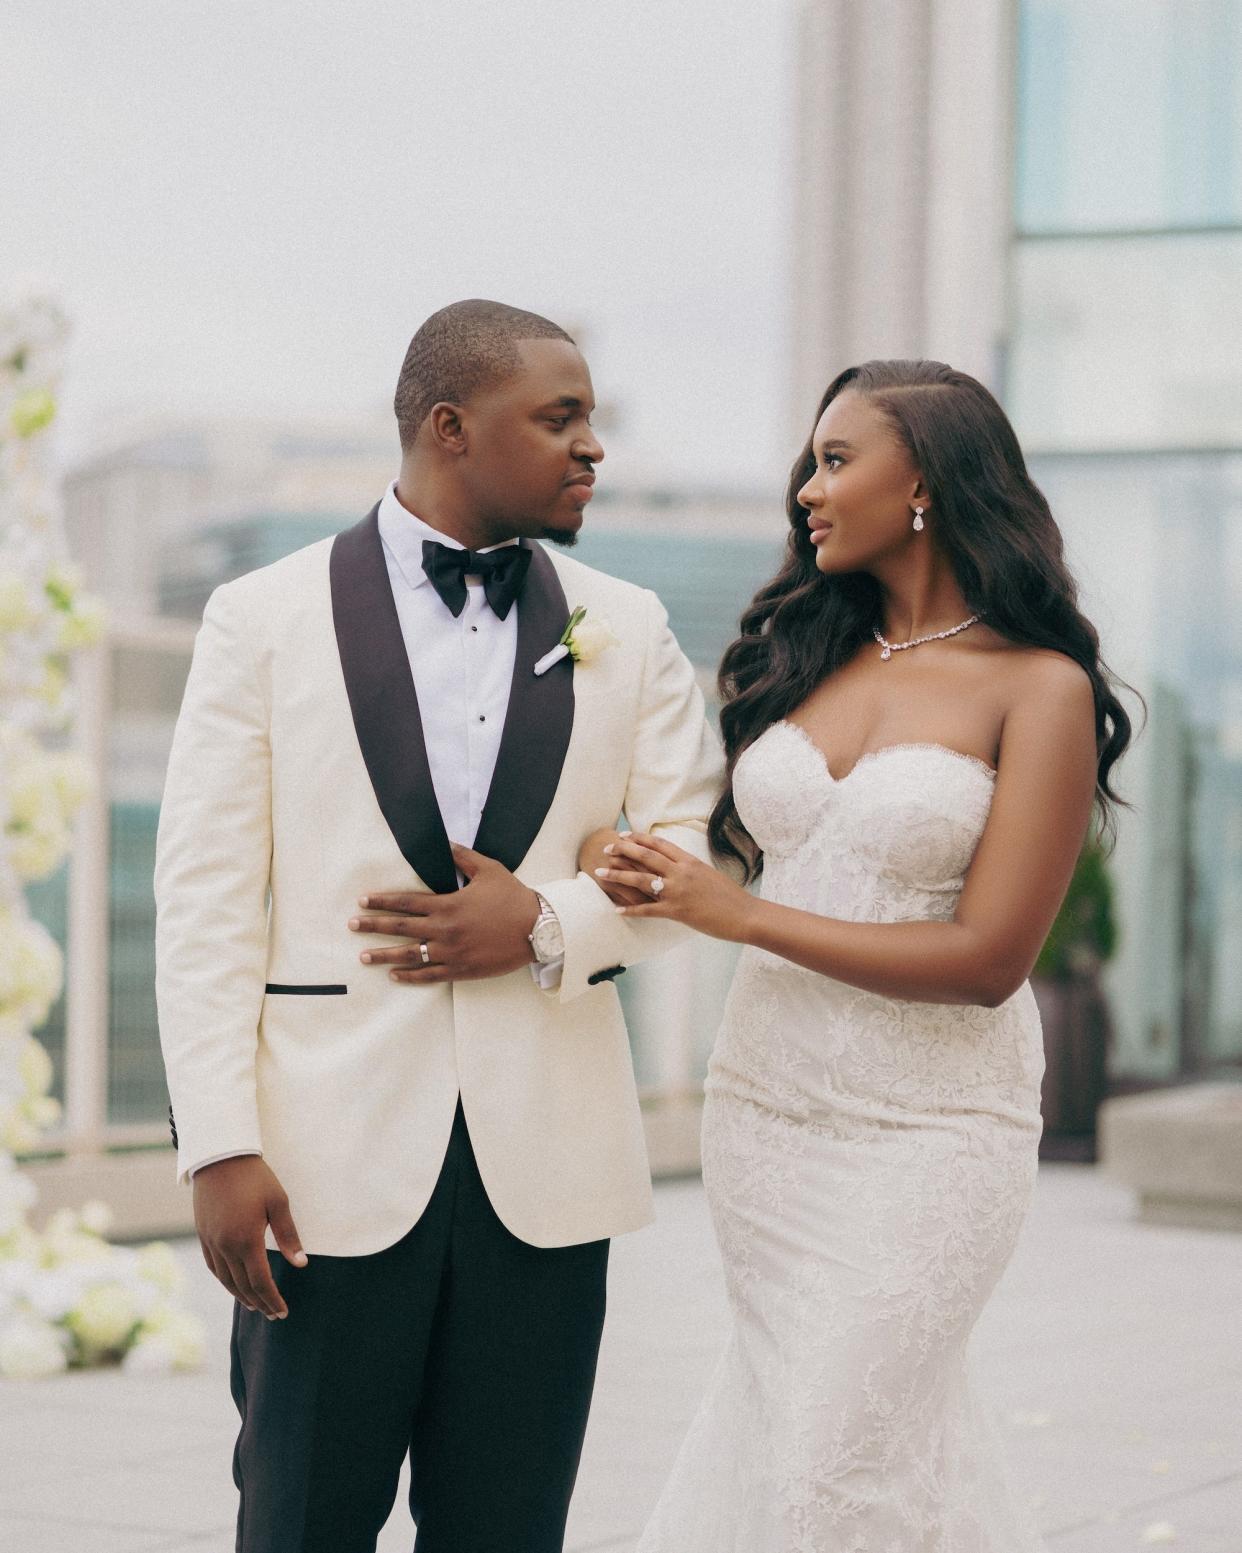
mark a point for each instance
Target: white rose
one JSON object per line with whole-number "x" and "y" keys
{"x": 103, "y": 1318}
{"x": 30, "y": 1349}
{"x": 17, "y": 1197}
{"x": 73, "y": 781}
{"x": 158, "y": 1264}
{"x": 74, "y": 1246}
{"x": 53, "y": 690}
{"x": 15, "y": 607}
{"x": 42, "y": 1112}
{"x": 155, "y": 1354}
{"x": 83, "y": 625}
{"x": 54, "y": 1291}
{"x": 17, "y": 1273}
{"x": 28, "y": 791}
{"x": 62, "y": 585}
{"x": 589, "y": 638}
{"x": 18, "y": 1247}
{"x": 17, "y": 1135}
{"x": 30, "y": 969}
{"x": 188, "y": 1338}
{"x": 95, "y": 1217}
{"x": 34, "y": 1067}
{"x": 13, "y": 1033}
{"x": 37, "y": 854}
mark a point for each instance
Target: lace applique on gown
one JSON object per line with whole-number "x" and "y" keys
{"x": 868, "y": 1163}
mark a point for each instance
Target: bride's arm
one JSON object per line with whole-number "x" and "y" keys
{"x": 1013, "y": 890}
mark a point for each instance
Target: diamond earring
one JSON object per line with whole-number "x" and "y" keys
{"x": 918, "y": 520}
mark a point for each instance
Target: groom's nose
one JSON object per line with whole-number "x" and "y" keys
{"x": 588, "y": 448}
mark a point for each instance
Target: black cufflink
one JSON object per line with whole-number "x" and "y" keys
{"x": 610, "y": 974}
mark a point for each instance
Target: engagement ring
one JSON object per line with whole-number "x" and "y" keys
{"x": 657, "y": 884}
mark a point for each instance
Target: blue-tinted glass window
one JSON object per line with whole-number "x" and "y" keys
{"x": 1129, "y": 115}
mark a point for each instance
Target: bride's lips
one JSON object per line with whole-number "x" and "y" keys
{"x": 820, "y": 531}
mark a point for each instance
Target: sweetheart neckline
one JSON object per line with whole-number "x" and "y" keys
{"x": 886, "y": 749}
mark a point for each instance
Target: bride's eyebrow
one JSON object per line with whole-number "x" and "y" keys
{"x": 827, "y": 446}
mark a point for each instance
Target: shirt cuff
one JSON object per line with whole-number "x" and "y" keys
{"x": 216, "y": 1158}
{"x": 547, "y": 973}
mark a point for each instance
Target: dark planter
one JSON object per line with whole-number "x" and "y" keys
{"x": 1075, "y": 1020}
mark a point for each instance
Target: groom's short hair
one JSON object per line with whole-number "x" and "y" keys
{"x": 461, "y": 349}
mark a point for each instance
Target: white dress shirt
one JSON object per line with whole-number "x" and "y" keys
{"x": 463, "y": 669}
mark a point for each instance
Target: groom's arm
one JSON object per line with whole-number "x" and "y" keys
{"x": 213, "y": 857}
{"x": 676, "y": 770}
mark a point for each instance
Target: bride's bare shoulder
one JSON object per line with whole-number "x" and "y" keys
{"x": 1034, "y": 671}
{"x": 1051, "y": 697}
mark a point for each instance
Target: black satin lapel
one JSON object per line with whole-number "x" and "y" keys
{"x": 384, "y": 703}
{"x": 538, "y": 724}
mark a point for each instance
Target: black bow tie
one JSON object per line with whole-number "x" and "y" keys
{"x": 503, "y": 571}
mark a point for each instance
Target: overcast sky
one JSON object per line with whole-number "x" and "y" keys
{"x": 251, "y": 206}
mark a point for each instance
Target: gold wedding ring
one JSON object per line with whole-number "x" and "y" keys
{"x": 424, "y": 952}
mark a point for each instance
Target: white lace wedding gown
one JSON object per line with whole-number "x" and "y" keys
{"x": 868, "y": 1163}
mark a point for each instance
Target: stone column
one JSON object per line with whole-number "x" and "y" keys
{"x": 902, "y": 195}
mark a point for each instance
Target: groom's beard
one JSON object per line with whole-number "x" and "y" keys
{"x": 560, "y": 537}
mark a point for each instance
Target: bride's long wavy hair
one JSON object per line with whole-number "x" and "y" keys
{"x": 1002, "y": 541}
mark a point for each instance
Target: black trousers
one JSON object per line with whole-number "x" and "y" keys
{"x": 461, "y": 1345}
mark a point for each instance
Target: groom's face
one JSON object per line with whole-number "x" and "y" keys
{"x": 531, "y": 449}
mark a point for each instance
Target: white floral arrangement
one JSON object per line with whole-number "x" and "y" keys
{"x": 68, "y": 1298}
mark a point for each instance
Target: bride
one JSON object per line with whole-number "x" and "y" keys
{"x": 918, "y": 724}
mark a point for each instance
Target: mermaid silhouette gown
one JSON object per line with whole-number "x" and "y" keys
{"x": 868, "y": 1163}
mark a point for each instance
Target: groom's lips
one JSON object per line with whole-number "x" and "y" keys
{"x": 582, "y": 486}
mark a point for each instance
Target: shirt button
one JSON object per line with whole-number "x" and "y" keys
{"x": 482, "y": 719}
{"x": 474, "y": 628}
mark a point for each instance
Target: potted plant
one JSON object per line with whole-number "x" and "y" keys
{"x": 1072, "y": 1006}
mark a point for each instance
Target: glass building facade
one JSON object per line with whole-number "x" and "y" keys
{"x": 1124, "y": 381}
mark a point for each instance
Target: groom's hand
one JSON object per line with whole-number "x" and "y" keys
{"x": 476, "y": 932}
{"x": 234, "y": 1202}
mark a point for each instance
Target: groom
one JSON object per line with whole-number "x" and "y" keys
{"x": 408, "y": 1107}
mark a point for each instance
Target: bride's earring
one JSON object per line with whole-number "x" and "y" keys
{"x": 918, "y": 520}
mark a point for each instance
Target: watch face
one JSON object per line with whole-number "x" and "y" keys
{"x": 548, "y": 940}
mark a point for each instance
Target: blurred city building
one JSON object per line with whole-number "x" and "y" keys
{"x": 1047, "y": 193}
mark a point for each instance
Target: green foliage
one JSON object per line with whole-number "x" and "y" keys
{"x": 1084, "y": 935}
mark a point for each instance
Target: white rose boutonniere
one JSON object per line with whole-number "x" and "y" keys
{"x": 583, "y": 641}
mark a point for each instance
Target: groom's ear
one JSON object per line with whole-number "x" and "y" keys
{"x": 446, "y": 429}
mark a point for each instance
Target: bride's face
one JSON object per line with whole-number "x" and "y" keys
{"x": 860, "y": 501}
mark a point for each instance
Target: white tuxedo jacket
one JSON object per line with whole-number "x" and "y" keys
{"x": 298, "y": 781}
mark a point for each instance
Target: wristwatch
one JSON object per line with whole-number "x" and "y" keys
{"x": 547, "y": 938}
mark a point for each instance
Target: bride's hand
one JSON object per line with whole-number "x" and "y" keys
{"x": 592, "y": 857}
{"x": 691, "y": 891}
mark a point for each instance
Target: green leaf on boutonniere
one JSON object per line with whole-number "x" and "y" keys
{"x": 577, "y": 615}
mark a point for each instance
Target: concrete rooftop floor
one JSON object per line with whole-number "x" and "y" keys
{"x": 1112, "y": 1351}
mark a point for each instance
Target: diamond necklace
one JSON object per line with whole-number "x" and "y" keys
{"x": 936, "y": 636}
